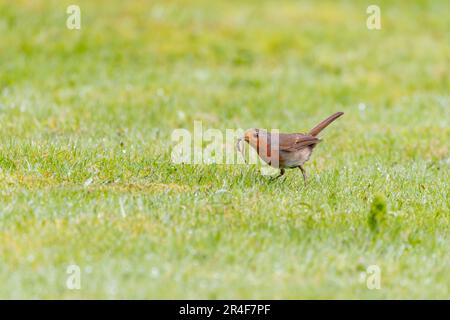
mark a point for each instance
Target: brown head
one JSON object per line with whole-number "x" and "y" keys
{"x": 251, "y": 136}
{"x": 260, "y": 141}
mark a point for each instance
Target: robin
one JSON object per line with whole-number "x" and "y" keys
{"x": 286, "y": 150}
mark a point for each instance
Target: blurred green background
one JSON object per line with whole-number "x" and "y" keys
{"x": 85, "y": 171}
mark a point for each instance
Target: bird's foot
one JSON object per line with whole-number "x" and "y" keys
{"x": 278, "y": 176}
{"x": 305, "y": 177}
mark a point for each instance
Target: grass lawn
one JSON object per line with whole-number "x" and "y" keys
{"x": 86, "y": 176}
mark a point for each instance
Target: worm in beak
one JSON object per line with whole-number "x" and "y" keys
{"x": 239, "y": 148}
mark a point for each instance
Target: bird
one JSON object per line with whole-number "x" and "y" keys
{"x": 286, "y": 150}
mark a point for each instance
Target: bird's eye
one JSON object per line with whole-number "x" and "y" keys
{"x": 256, "y": 134}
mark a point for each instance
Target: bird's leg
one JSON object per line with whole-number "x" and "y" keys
{"x": 303, "y": 173}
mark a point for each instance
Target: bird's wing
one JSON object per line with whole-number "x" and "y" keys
{"x": 296, "y": 141}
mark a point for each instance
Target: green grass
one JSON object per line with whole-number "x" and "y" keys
{"x": 85, "y": 170}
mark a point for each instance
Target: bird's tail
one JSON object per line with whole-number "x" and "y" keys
{"x": 316, "y": 130}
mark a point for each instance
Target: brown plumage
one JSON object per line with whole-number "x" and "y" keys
{"x": 292, "y": 149}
